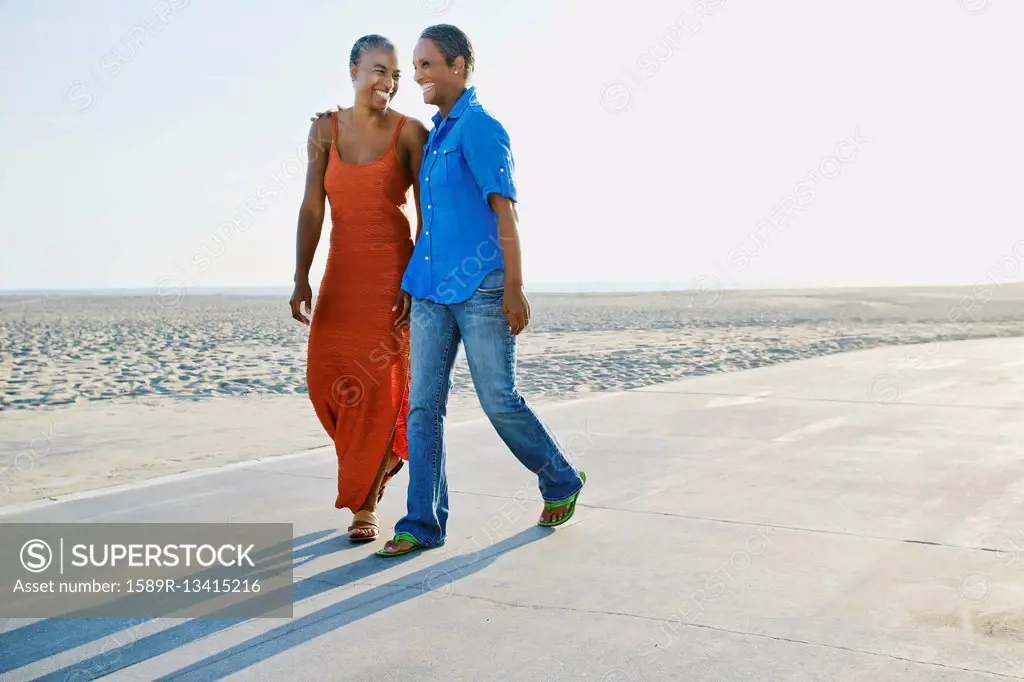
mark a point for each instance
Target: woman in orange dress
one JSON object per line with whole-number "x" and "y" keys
{"x": 362, "y": 160}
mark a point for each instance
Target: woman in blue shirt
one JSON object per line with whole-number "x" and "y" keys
{"x": 465, "y": 285}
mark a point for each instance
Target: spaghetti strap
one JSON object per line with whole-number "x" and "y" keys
{"x": 398, "y": 130}
{"x": 334, "y": 128}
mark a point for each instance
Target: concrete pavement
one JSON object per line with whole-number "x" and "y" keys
{"x": 856, "y": 516}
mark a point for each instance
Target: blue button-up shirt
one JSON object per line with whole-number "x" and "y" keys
{"x": 467, "y": 158}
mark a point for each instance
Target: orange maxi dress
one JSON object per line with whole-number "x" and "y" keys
{"x": 357, "y": 370}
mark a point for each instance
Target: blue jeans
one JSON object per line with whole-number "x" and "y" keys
{"x": 436, "y": 330}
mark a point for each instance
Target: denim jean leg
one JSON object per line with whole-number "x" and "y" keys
{"x": 434, "y": 344}
{"x": 491, "y": 356}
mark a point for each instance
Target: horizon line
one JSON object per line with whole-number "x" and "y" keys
{"x": 582, "y": 287}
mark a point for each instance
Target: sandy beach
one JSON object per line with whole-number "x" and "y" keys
{"x": 97, "y": 391}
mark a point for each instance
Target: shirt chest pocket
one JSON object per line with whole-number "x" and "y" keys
{"x": 448, "y": 169}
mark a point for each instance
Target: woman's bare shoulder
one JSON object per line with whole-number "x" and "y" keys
{"x": 320, "y": 131}
{"x": 414, "y": 130}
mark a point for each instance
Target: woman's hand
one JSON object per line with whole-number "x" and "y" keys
{"x": 516, "y": 309}
{"x": 302, "y": 294}
{"x": 323, "y": 113}
{"x": 403, "y": 304}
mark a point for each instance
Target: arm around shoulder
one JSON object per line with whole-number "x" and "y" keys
{"x": 413, "y": 138}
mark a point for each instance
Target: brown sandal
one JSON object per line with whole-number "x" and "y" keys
{"x": 387, "y": 477}
{"x": 361, "y": 520}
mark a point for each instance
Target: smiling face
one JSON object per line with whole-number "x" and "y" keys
{"x": 375, "y": 77}
{"x": 440, "y": 83}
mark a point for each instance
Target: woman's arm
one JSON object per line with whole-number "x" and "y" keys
{"x": 488, "y": 152}
{"x": 414, "y": 136}
{"x": 515, "y": 304}
{"x": 508, "y": 236}
{"x": 411, "y": 141}
{"x": 311, "y": 214}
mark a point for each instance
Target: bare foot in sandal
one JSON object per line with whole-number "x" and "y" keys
{"x": 400, "y": 546}
{"x": 364, "y": 527}
{"x": 556, "y": 513}
{"x": 402, "y": 543}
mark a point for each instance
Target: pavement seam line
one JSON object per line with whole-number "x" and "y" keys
{"x": 897, "y": 403}
{"x": 799, "y": 529}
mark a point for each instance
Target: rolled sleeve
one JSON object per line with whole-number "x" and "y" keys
{"x": 488, "y": 154}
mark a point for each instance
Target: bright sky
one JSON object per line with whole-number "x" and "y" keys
{"x": 652, "y": 143}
